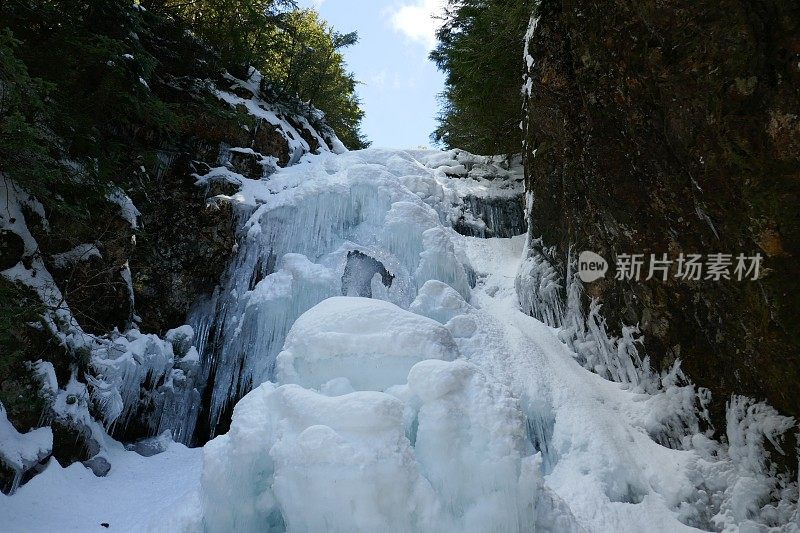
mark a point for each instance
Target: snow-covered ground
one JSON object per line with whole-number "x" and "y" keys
{"x": 74, "y": 499}
{"x": 434, "y": 404}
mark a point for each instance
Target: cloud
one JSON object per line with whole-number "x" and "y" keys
{"x": 419, "y": 21}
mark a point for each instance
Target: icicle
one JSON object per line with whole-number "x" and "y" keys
{"x": 295, "y": 241}
{"x": 539, "y": 289}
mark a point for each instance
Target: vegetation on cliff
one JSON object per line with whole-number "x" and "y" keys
{"x": 299, "y": 54}
{"x": 101, "y": 100}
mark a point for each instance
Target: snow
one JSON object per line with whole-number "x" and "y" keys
{"x": 58, "y": 319}
{"x": 80, "y": 253}
{"x": 181, "y": 338}
{"x": 439, "y": 301}
{"x": 73, "y": 499}
{"x": 128, "y": 211}
{"x": 751, "y": 480}
{"x": 438, "y": 404}
{"x": 370, "y": 342}
{"x": 219, "y": 175}
{"x": 530, "y": 61}
{"x": 261, "y": 109}
{"x": 22, "y": 450}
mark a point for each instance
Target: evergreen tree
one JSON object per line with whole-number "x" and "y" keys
{"x": 241, "y": 31}
{"x": 74, "y": 82}
{"x": 307, "y": 61}
{"x": 480, "y": 51}
{"x": 299, "y": 54}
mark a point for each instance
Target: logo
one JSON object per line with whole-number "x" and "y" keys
{"x": 591, "y": 267}
{"x": 687, "y": 267}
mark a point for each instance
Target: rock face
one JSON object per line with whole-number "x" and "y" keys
{"x": 674, "y": 127}
{"x": 11, "y": 249}
{"x": 184, "y": 247}
{"x": 136, "y": 264}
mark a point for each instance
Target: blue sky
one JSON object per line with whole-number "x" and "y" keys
{"x": 400, "y": 84}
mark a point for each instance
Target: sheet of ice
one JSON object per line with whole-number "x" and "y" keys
{"x": 540, "y": 288}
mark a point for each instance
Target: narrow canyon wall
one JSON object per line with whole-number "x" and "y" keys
{"x": 674, "y": 127}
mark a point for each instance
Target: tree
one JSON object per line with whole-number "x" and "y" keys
{"x": 73, "y": 77}
{"x": 24, "y": 123}
{"x": 307, "y": 61}
{"x": 480, "y": 51}
{"x": 299, "y": 54}
{"x": 239, "y": 30}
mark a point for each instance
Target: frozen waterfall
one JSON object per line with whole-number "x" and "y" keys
{"x": 366, "y": 365}
{"x": 372, "y": 223}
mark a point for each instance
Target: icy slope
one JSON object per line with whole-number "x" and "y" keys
{"x": 397, "y": 386}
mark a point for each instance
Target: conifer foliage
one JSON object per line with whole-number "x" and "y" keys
{"x": 299, "y": 54}
{"x": 480, "y": 51}
{"x": 306, "y": 60}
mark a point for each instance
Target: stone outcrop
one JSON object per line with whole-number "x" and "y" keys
{"x": 674, "y": 127}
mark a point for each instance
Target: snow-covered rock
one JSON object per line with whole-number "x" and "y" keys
{"x": 22, "y": 451}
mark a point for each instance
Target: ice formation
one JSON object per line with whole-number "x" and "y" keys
{"x": 386, "y": 376}
{"x": 373, "y": 223}
{"x": 506, "y": 432}
{"x": 371, "y": 343}
{"x": 443, "y": 452}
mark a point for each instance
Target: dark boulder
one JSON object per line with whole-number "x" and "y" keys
{"x": 12, "y": 248}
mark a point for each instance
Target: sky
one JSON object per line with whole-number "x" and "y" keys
{"x": 399, "y": 83}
